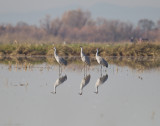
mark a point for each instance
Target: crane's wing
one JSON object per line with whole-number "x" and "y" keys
{"x": 87, "y": 60}
{"x": 104, "y": 62}
{"x": 62, "y": 61}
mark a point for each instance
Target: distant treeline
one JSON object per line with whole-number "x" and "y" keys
{"x": 79, "y": 26}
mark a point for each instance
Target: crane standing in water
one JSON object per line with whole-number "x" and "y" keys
{"x": 60, "y": 60}
{"x": 100, "y": 60}
{"x": 85, "y": 59}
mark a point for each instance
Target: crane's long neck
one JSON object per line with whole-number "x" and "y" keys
{"x": 82, "y": 52}
{"x": 97, "y": 53}
{"x": 55, "y": 54}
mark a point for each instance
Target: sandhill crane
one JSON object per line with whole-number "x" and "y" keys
{"x": 100, "y": 81}
{"x": 59, "y": 81}
{"x": 84, "y": 58}
{"x": 59, "y": 59}
{"x": 84, "y": 82}
{"x": 100, "y": 60}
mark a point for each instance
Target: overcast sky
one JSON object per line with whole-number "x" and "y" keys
{"x": 31, "y": 11}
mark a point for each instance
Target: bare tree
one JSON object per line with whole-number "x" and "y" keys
{"x": 76, "y": 18}
{"x": 146, "y": 24}
{"x": 46, "y": 23}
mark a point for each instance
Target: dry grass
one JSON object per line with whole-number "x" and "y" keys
{"x": 73, "y": 49}
{"x": 139, "y": 63}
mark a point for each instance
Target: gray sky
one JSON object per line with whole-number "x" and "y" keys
{"x": 31, "y": 11}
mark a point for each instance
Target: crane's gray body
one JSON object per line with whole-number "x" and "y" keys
{"x": 100, "y": 60}
{"x": 59, "y": 59}
{"x": 85, "y": 58}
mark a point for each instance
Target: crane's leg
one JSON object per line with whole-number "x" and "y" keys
{"x": 101, "y": 70}
{"x": 87, "y": 69}
{"x": 84, "y": 71}
{"x": 59, "y": 70}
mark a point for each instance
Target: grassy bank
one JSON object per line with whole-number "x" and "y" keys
{"x": 139, "y": 63}
{"x": 120, "y": 49}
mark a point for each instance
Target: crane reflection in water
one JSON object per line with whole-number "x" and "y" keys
{"x": 84, "y": 82}
{"x": 101, "y": 80}
{"x": 58, "y": 82}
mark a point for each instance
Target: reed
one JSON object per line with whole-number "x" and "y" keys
{"x": 139, "y": 63}
{"x": 73, "y": 49}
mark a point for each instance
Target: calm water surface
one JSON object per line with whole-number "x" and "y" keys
{"x": 127, "y": 97}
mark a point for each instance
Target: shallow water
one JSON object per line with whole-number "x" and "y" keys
{"x": 127, "y": 97}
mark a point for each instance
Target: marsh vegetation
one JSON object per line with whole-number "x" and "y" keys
{"x": 139, "y": 63}
{"x": 73, "y": 49}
